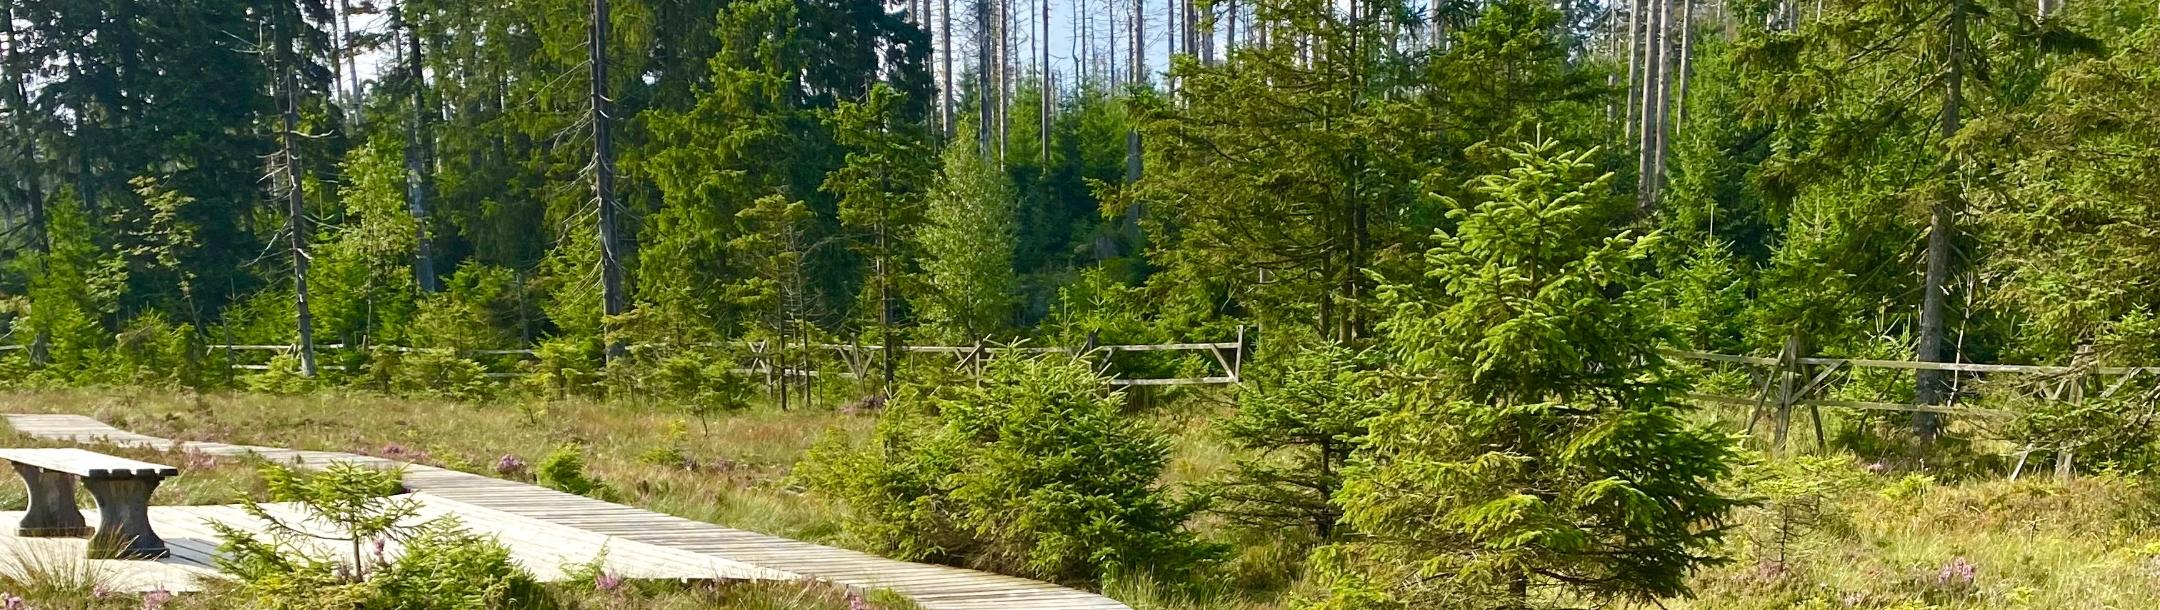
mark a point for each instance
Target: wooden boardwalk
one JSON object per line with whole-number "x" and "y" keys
{"x": 550, "y": 552}
{"x": 930, "y": 586}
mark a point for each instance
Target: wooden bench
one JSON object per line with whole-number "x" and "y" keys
{"x": 122, "y": 488}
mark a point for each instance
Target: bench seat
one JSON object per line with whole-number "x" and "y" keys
{"x": 122, "y": 487}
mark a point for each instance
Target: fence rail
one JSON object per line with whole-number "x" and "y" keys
{"x": 1791, "y": 381}
{"x": 1228, "y": 358}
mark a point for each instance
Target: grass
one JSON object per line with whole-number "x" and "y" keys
{"x": 736, "y": 475}
{"x": 2034, "y": 544}
{"x": 2084, "y": 544}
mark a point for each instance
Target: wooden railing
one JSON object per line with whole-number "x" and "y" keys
{"x": 1791, "y": 382}
{"x": 856, "y": 361}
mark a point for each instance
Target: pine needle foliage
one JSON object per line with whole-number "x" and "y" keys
{"x": 1036, "y": 472}
{"x": 1298, "y": 422}
{"x": 1537, "y": 458}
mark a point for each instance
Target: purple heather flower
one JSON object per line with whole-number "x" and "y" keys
{"x": 1958, "y": 573}
{"x": 98, "y": 591}
{"x": 510, "y": 465}
{"x": 155, "y": 600}
{"x": 855, "y": 600}
{"x": 8, "y": 601}
{"x": 607, "y": 582}
{"x": 379, "y": 558}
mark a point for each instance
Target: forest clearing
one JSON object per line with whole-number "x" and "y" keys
{"x": 1101, "y": 304}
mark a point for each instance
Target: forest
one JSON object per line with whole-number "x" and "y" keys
{"x": 1509, "y": 271}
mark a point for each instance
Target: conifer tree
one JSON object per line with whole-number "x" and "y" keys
{"x": 881, "y": 190}
{"x": 1538, "y": 455}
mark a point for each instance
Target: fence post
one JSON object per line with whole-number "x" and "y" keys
{"x": 1237, "y": 371}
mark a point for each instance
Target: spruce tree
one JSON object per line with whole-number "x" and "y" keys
{"x": 1538, "y": 456}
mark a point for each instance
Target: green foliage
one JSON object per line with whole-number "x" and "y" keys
{"x": 281, "y": 378}
{"x": 446, "y": 567}
{"x": 563, "y": 367}
{"x": 343, "y": 503}
{"x": 669, "y": 453}
{"x": 152, "y": 351}
{"x": 564, "y": 470}
{"x": 1034, "y": 472}
{"x": 967, "y": 241}
{"x": 1799, "y": 498}
{"x": 361, "y": 281}
{"x": 440, "y": 373}
{"x": 1299, "y": 419}
{"x": 1545, "y": 459}
{"x": 704, "y": 383}
{"x": 441, "y": 566}
{"x": 72, "y": 290}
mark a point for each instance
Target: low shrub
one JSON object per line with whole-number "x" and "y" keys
{"x": 440, "y": 373}
{"x": 564, "y": 470}
{"x": 1035, "y": 472}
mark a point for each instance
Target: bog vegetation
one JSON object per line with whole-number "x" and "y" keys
{"x": 1468, "y": 239}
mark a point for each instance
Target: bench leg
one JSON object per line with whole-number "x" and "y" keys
{"x": 123, "y": 530}
{"x": 52, "y": 512}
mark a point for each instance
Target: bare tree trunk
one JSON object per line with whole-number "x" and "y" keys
{"x": 1139, "y": 42}
{"x": 1687, "y": 52}
{"x": 613, "y": 301}
{"x": 1049, "y": 89}
{"x": 1653, "y": 81}
{"x": 1080, "y": 44}
{"x": 1932, "y": 387}
{"x": 945, "y": 86}
{"x": 296, "y": 217}
{"x": 1634, "y": 61}
{"x": 417, "y": 149}
{"x": 1666, "y": 68}
{"x": 985, "y": 111}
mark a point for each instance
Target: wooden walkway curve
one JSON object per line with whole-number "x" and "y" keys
{"x": 931, "y": 586}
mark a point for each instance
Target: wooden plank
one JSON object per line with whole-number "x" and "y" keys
{"x": 86, "y": 463}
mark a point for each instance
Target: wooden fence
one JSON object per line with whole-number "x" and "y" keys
{"x": 1226, "y": 358}
{"x": 1790, "y": 382}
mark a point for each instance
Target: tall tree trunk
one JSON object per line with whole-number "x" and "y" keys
{"x": 613, "y": 301}
{"x": 889, "y": 355}
{"x": 1667, "y": 67}
{"x": 985, "y": 112}
{"x": 1653, "y": 81}
{"x": 1003, "y": 75}
{"x": 417, "y": 150}
{"x": 1080, "y": 47}
{"x": 296, "y": 214}
{"x": 1049, "y": 89}
{"x": 1634, "y": 62}
{"x": 1687, "y": 52}
{"x": 945, "y": 76}
{"x": 1139, "y": 42}
{"x": 1932, "y": 387}
{"x": 1170, "y": 40}
{"x": 352, "y": 61}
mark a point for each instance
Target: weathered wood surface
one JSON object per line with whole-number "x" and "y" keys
{"x": 86, "y": 463}
{"x": 930, "y": 586}
{"x": 548, "y": 550}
